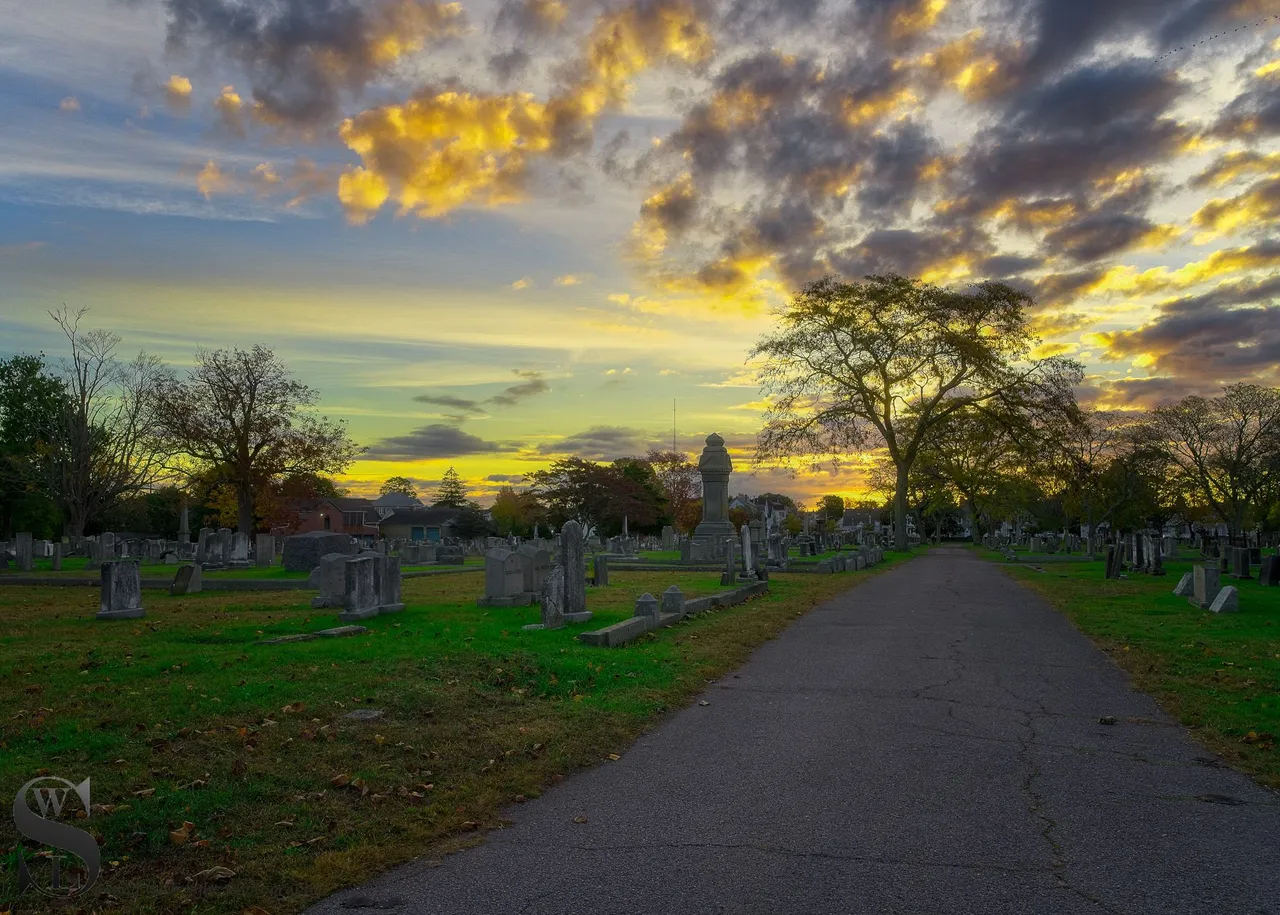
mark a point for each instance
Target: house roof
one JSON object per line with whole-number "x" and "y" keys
{"x": 397, "y": 500}
{"x": 424, "y": 517}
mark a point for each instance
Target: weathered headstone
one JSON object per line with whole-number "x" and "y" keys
{"x": 24, "y": 552}
{"x": 121, "y": 590}
{"x": 648, "y": 609}
{"x": 330, "y": 577}
{"x": 1205, "y": 585}
{"x": 601, "y": 562}
{"x": 1227, "y": 601}
{"x": 57, "y": 557}
{"x": 387, "y": 583}
{"x": 748, "y": 557}
{"x": 450, "y": 555}
{"x": 1269, "y": 571}
{"x": 668, "y": 537}
{"x": 730, "y": 574}
{"x": 264, "y": 550}
{"x": 360, "y": 595}
{"x": 239, "y": 556}
{"x": 552, "y": 600}
{"x": 575, "y": 569}
{"x": 673, "y": 601}
{"x": 1185, "y": 586}
{"x": 1240, "y": 563}
{"x": 226, "y": 542}
{"x": 503, "y": 580}
{"x": 188, "y": 580}
{"x": 202, "y": 544}
{"x": 302, "y": 552}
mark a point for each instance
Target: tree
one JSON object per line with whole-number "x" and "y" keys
{"x": 598, "y": 495}
{"x": 452, "y": 493}
{"x": 243, "y": 414}
{"x": 400, "y": 485}
{"x": 31, "y": 402}
{"x": 514, "y": 512}
{"x": 107, "y": 443}
{"x": 471, "y": 522}
{"x": 681, "y": 487}
{"x": 832, "y": 508}
{"x": 1225, "y": 449}
{"x": 885, "y": 361}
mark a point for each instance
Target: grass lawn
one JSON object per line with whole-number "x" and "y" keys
{"x": 1219, "y": 674}
{"x": 181, "y": 718}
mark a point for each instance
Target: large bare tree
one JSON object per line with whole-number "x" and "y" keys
{"x": 242, "y": 416}
{"x": 1227, "y": 449}
{"x": 107, "y": 445}
{"x": 883, "y": 362}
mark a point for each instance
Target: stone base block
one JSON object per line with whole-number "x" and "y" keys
{"x": 325, "y": 603}
{"x": 135, "y": 614}
{"x": 390, "y": 608}
{"x": 518, "y": 600}
{"x": 533, "y": 627}
{"x": 581, "y": 616}
{"x": 352, "y": 616}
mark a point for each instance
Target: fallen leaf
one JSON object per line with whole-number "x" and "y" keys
{"x": 614, "y": 756}
{"x": 215, "y": 874}
{"x": 704, "y": 702}
{"x": 181, "y": 835}
{"x": 340, "y": 781}
{"x": 145, "y": 792}
{"x": 580, "y": 819}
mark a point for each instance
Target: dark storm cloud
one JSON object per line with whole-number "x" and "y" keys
{"x": 507, "y": 65}
{"x": 302, "y": 55}
{"x": 1090, "y": 97}
{"x": 1225, "y": 334}
{"x": 908, "y": 251}
{"x": 747, "y": 19}
{"x": 461, "y": 404}
{"x": 1004, "y": 266}
{"x": 1146, "y": 393}
{"x": 1097, "y": 237}
{"x": 434, "y": 441}
{"x": 1254, "y": 112}
{"x": 892, "y": 180}
{"x": 1061, "y": 288}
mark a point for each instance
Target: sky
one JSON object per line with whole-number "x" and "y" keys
{"x": 498, "y": 232}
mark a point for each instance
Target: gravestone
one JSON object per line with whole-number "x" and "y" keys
{"x": 1269, "y": 571}
{"x": 503, "y": 580}
{"x": 387, "y": 582}
{"x": 360, "y": 596}
{"x": 24, "y": 552}
{"x": 748, "y": 557}
{"x": 202, "y": 544}
{"x": 730, "y": 574}
{"x": 1185, "y": 586}
{"x": 668, "y": 537}
{"x": 686, "y": 551}
{"x": 57, "y": 557}
{"x": 673, "y": 601}
{"x": 225, "y": 539}
{"x": 450, "y": 555}
{"x": 715, "y": 467}
{"x": 1156, "y": 556}
{"x": 552, "y": 600}
{"x": 239, "y": 557}
{"x": 264, "y": 550}
{"x": 1205, "y": 585}
{"x": 575, "y": 570}
{"x": 1227, "y": 601}
{"x": 302, "y": 552}
{"x": 188, "y": 580}
{"x": 1240, "y": 563}
{"x": 601, "y": 570}
{"x": 535, "y": 562}
{"x": 1113, "y": 562}
{"x": 330, "y": 577}
{"x": 121, "y": 590}
{"x": 649, "y": 610}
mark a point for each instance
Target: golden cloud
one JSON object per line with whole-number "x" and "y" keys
{"x": 212, "y": 180}
{"x": 441, "y": 150}
{"x": 1128, "y": 281}
{"x": 917, "y": 18}
{"x": 1237, "y": 164}
{"x": 1259, "y": 205}
{"x": 229, "y": 107}
{"x": 967, "y": 65}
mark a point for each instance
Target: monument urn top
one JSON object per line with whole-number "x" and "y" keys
{"x": 715, "y": 457}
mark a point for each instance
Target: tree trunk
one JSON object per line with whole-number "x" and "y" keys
{"x": 244, "y": 505}
{"x": 900, "y": 510}
{"x": 975, "y": 527}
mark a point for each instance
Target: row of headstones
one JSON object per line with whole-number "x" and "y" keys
{"x": 849, "y": 562}
{"x": 425, "y": 553}
{"x": 1142, "y": 553}
{"x": 525, "y": 575}
{"x": 224, "y": 547}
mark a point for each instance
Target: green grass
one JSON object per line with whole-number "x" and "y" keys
{"x": 182, "y": 717}
{"x": 1219, "y": 674}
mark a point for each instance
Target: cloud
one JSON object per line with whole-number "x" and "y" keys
{"x": 302, "y": 56}
{"x": 230, "y": 111}
{"x": 177, "y": 93}
{"x": 504, "y": 478}
{"x": 69, "y": 105}
{"x": 1227, "y": 334}
{"x": 434, "y": 441}
{"x": 461, "y": 404}
{"x": 532, "y": 385}
{"x": 523, "y": 283}
{"x": 567, "y": 279}
{"x": 444, "y": 148}
{"x": 1257, "y": 209}
{"x": 601, "y": 443}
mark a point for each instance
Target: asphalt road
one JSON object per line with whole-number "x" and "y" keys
{"x": 926, "y": 743}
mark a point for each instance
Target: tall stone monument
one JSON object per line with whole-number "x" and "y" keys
{"x": 715, "y": 466}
